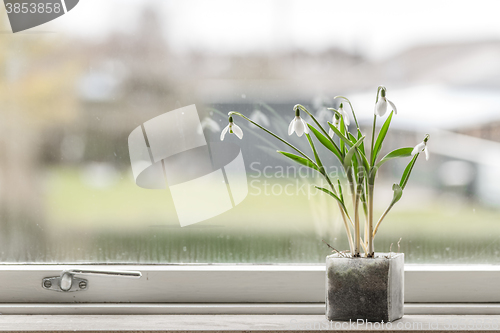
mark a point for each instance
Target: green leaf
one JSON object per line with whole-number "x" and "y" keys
{"x": 329, "y": 144}
{"x": 363, "y": 201}
{"x": 362, "y": 147}
{"x": 407, "y": 172}
{"x": 299, "y": 160}
{"x": 401, "y": 152}
{"x": 335, "y": 197}
{"x": 351, "y": 137}
{"x": 381, "y": 137}
{"x": 340, "y": 191}
{"x": 350, "y": 154}
{"x": 316, "y": 156}
{"x": 361, "y": 152}
{"x": 343, "y": 147}
{"x": 340, "y": 135}
{"x": 364, "y": 159}
{"x": 398, "y": 193}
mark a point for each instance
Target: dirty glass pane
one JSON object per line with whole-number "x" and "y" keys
{"x": 111, "y": 115}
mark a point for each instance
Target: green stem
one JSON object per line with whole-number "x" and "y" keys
{"x": 371, "y": 248}
{"x": 323, "y": 172}
{"x": 348, "y": 230}
{"x": 271, "y": 133}
{"x": 373, "y": 139}
{"x": 357, "y": 234}
{"x": 380, "y": 220}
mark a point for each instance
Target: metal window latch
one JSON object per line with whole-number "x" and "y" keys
{"x": 68, "y": 282}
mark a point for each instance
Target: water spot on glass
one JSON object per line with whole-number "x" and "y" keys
{"x": 184, "y": 249}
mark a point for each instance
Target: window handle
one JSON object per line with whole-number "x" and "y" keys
{"x": 68, "y": 282}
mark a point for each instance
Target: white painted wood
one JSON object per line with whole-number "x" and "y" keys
{"x": 452, "y": 309}
{"x": 176, "y": 283}
{"x": 239, "y": 284}
{"x": 453, "y": 283}
{"x": 241, "y": 323}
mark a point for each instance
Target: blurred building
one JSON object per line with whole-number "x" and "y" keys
{"x": 130, "y": 78}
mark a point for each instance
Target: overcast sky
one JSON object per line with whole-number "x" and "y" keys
{"x": 376, "y": 28}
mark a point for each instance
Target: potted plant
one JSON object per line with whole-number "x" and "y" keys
{"x": 361, "y": 284}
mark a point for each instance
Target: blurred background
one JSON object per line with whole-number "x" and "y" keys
{"x": 72, "y": 90}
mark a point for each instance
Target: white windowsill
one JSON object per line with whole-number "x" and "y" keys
{"x": 236, "y": 323}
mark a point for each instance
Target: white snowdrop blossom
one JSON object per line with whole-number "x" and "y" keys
{"x": 233, "y": 129}
{"x": 298, "y": 125}
{"x": 344, "y": 114}
{"x": 421, "y": 147}
{"x": 381, "y": 106}
{"x": 336, "y": 123}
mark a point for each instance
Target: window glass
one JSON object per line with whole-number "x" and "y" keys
{"x": 111, "y": 116}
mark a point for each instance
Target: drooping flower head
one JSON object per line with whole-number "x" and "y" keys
{"x": 381, "y": 106}
{"x": 344, "y": 114}
{"x": 422, "y": 147}
{"x": 233, "y": 129}
{"x": 298, "y": 125}
{"x": 335, "y": 122}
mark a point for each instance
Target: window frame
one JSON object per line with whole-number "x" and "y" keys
{"x": 235, "y": 289}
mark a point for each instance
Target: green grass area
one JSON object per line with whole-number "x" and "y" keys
{"x": 125, "y": 223}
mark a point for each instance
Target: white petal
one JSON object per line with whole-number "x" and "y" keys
{"x": 299, "y": 127}
{"x": 331, "y": 133}
{"x": 381, "y": 107}
{"x": 347, "y": 121}
{"x": 291, "y": 127}
{"x": 224, "y": 131}
{"x": 393, "y": 106}
{"x": 426, "y": 151}
{"x": 336, "y": 122}
{"x": 418, "y": 148}
{"x": 237, "y": 131}
{"x": 306, "y": 128}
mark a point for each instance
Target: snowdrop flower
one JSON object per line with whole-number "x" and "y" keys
{"x": 298, "y": 125}
{"x": 336, "y": 123}
{"x": 381, "y": 106}
{"x": 344, "y": 114}
{"x": 232, "y": 128}
{"x": 422, "y": 146}
{"x": 260, "y": 118}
